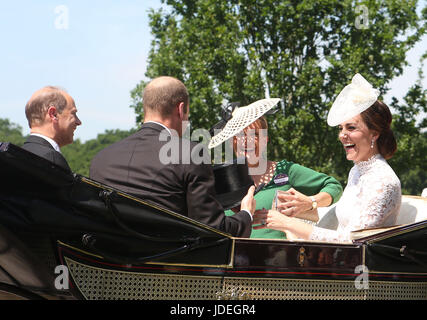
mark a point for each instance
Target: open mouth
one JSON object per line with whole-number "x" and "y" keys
{"x": 349, "y": 146}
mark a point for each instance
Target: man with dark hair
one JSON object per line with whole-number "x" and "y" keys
{"x": 139, "y": 165}
{"x": 52, "y": 117}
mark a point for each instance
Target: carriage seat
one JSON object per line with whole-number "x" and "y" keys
{"x": 413, "y": 209}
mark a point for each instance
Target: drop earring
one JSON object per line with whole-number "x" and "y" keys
{"x": 372, "y": 143}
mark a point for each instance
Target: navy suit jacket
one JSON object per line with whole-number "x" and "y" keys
{"x": 44, "y": 149}
{"x": 133, "y": 165}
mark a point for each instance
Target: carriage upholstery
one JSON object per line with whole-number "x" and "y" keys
{"x": 413, "y": 209}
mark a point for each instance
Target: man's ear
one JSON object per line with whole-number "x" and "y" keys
{"x": 52, "y": 113}
{"x": 181, "y": 110}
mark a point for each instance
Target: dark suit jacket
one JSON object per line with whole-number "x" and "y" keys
{"x": 44, "y": 149}
{"x": 186, "y": 186}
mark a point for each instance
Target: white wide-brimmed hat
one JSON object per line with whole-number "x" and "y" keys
{"x": 355, "y": 98}
{"x": 243, "y": 117}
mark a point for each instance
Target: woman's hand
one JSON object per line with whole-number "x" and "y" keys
{"x": 269, "y": 219}
{"x": 260, "y": 218}
{"x": 292, "y": 203}
{"x": 272, "y": 219}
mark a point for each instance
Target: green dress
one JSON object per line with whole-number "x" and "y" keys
{"x": 291, "y": 175}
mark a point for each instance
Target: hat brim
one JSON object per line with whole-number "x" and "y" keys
{"x": 243, "y": 117}
{"x": 233, "y": 199}
{"x": 232, "y": 181}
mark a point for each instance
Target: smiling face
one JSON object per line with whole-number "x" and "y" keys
{"x": 357, "y": 139}
{"x": 252, "y": 142}
{"x": 67, "y": 122}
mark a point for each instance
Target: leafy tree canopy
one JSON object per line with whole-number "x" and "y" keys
{"x": 10, "y": 132}
{"x": 79, "y": 155}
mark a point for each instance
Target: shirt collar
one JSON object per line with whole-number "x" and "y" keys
{"x": 51, "y": 141}
{"x": 160, "y": 124}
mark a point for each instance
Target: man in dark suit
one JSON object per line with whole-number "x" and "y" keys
{"x": 157, "y": 165}
{"x": 52, "y": 117}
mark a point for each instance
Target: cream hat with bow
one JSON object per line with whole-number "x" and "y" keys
{"x": 355, "y": 98}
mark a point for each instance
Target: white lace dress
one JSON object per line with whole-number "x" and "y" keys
{"x": 371, "y": 199}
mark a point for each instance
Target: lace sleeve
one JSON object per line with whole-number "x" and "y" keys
{"x": 379, "y": 203}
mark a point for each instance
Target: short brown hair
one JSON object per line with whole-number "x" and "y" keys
{"x": 262, "y": 121}
{"x": 162, "y": 94}
{"x": 37, "y": 106}
{"x": 378, "y": 118}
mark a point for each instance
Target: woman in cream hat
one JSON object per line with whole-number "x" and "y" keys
{"x": 372, "y": 196}
{"x": 302, "y": 188}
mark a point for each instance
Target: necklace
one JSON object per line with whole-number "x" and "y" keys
{"x": 267, "y": 176}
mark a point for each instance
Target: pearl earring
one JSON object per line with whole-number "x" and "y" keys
{"x": 372, "y": 143}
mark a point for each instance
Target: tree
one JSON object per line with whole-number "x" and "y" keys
{"x": 304, "y": 52}
{"x": 79, "y": 155}
{"x": 11, "y": 132}
{"x": 410, "y": 159}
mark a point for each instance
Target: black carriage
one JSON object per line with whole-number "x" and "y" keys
{"x": 65, "y": 236}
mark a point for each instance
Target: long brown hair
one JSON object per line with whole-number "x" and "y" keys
{"x": 378, "y": 118}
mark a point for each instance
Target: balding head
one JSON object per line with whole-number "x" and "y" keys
{"x": 41, "y": 100}
{"x": 163, "y": 94}
{"x": 52, "y": 112}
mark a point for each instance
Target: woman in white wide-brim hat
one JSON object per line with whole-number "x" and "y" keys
{"x": 305, "y": 188}
{"x": 372, "y": 196}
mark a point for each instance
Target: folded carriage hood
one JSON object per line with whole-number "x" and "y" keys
{"x": 39, "y": 197}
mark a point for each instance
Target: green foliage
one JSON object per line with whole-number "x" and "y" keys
{"x": 410, "y": 159}
{"x": 79, "y": 155}
{"x": 304, "y": 52}
{"x": 11, "y": 132}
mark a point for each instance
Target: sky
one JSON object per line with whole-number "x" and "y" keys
{"x": 96, "y": 50}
